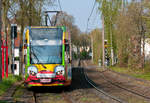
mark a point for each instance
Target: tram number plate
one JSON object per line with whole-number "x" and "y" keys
{"x": 45, "y": 80}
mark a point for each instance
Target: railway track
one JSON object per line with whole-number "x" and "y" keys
{"x": 82, "y": 90}
{"x": 131, "y": 91}
{"x": 8, "y": 96}
{"x": 52, "y": 95}
{"x": 43, "y": 94}
{"x": 103, "y": 92}
{"x": 114, "y": 84}
{"x": 115, "y": 99}
{"x": 108, "y": 97}
{"x": 77, "y": 93}
{"x": 20, "y": 94}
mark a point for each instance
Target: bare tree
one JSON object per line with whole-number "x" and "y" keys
{"x": 25, "y": 13}
{"x": 96, "y": 36}
{"x": 67, "y": 20}
{"x": 130, "y": 32}
{"x": 30, "y": 11}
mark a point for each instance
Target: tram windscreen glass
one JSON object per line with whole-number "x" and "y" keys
{"x": 46, "y": 46}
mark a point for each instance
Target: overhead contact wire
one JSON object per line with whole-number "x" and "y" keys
{"x": 90, "y": 15}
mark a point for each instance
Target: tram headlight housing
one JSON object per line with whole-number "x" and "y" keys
{"x": 32, "y": 70}
{"x": 59, "y": 70}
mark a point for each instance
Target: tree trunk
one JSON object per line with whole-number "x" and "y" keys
{"x": 4, "y": 16}
{"x": 143, "y": 56}
{"x": 30, "y": 12}
{"x": 21, "y": 38}
{"x": 0, "y": 42}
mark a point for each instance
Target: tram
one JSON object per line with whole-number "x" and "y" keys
{"x": 47, "y": 56}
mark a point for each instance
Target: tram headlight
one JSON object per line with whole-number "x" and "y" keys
{"x": 32, "y": 70}
{"x": 59, "y": 70}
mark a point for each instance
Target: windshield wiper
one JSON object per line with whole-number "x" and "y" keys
{"x": 32, "y": 51}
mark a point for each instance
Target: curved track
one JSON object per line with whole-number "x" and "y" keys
{"x": 131, "y": 91}
{"x": 101, "y": 91}
{"x": 112, "y": 83}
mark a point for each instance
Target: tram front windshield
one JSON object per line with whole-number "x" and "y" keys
{"x": 46, "y": 45}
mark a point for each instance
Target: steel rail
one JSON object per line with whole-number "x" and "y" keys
{"x": 101, "y": 91}
{"x": 130, "y": 91}
{"x": 133, "y": 92}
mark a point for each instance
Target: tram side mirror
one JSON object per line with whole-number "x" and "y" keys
{"x": 69, "y": 60}
{"x": 67, "y": 47}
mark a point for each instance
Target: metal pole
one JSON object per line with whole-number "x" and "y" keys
{"x": 6, "y": 60}
{"x": 122, "y": 4}
{"x": 103, "y": 38}
{"x": 46, "y": 19}
{"x": 13, "y": 50}
{"x": 3, "y": 61}
{"x": 111, "y": 47}
{"x": 0, "y": 43}
{"x": 92, "y": 46}
{"x": 112, "y": 53}
{"x": 13, "y": 42}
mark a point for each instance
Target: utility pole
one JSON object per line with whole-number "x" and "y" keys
{"x": 111, "y": 39}
{"x": 103, "y": 40}
{"x": 112, "y": 52}
{"x": 0, "y": 42}
{"x": 122, "y": 4}
{"x": 92, "y": 46}
{"x": 13, "y": 31}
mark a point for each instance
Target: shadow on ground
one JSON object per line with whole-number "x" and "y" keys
{"x": 78, "y": 82}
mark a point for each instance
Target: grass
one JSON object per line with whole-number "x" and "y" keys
{"x": 7, "y": 82}
{"x": 3, "y": 101}
{"x": 138, "y": 73}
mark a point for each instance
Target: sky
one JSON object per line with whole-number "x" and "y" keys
{"x": 80, "y": 10}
